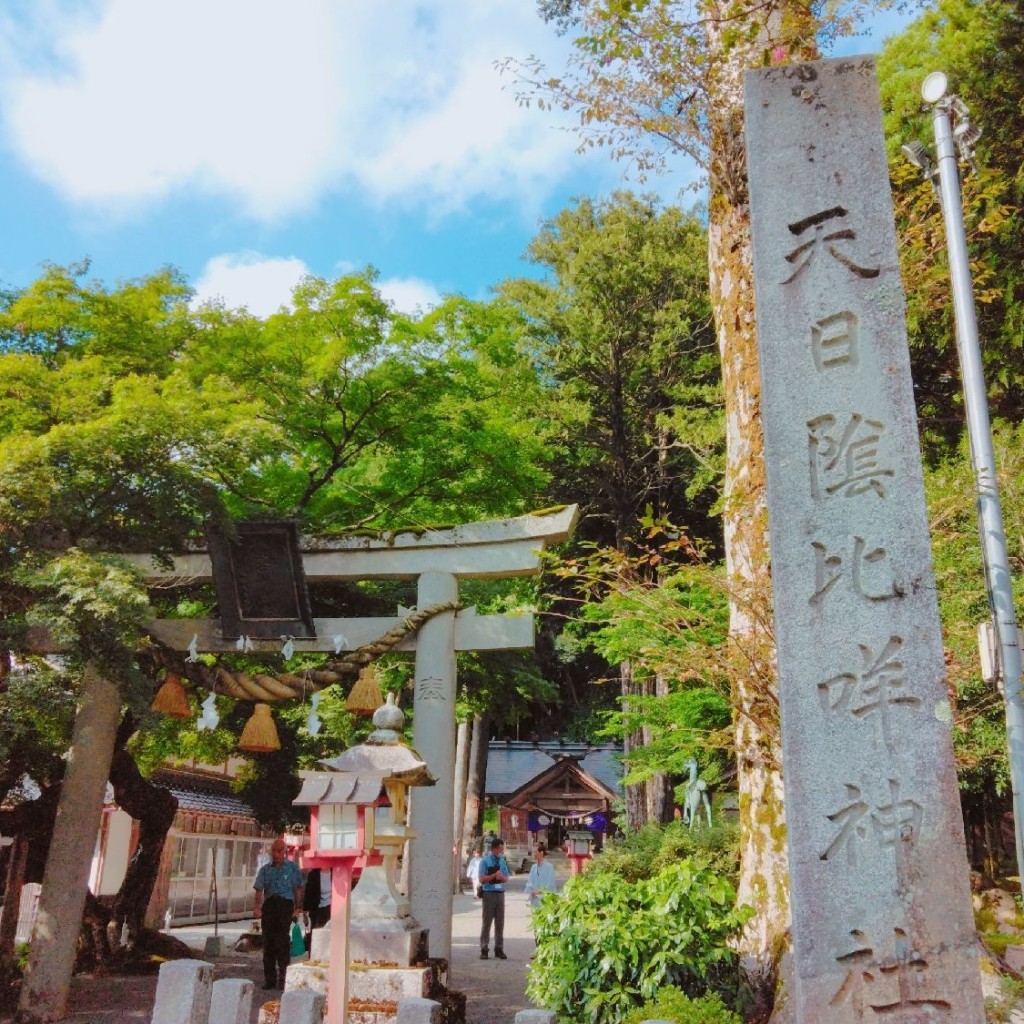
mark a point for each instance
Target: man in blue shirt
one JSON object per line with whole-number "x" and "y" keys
{"x": 277, "y": 902}
{"x": 494, "y": 873}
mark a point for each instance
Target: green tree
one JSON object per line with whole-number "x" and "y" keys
{"x": 980, "y": 720}
{"x": 621, "y": 329}
{"x": 980, "y": 47}
{"x": 371, "y": 419}
{"x": 127, "y": 421}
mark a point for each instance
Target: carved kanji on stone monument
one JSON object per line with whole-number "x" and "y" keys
{"x": 882, "y": 922}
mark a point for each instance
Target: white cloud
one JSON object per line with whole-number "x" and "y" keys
{"x": 263, "y": 284}
{"x": 409, "y": 294}
{"x": 260, "y": 284}
{"x": 271, "y": 105}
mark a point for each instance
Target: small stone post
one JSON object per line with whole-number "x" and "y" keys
{"x": 419, "y": 1011}
{"x": 302, "y": 1006}
{"x": 184, "y": 992}
{"x": 231, "y": 1002}
{"x": 433, "y": 808}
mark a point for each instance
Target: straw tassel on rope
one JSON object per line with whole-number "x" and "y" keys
{"x": 286, "y": 685}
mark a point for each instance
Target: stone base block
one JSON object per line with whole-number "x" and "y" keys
{"x": 366, "y": 984}
{"x": 390, "y": 945}
{"x": 389, "y": 942}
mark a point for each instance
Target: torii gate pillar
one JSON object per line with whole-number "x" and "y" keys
{"x": 434, "y": 729}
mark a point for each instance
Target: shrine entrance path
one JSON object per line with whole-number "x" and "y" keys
{"x": 495, "y": 989}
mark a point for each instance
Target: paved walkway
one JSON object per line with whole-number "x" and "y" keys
{"x": 495, "y": 989}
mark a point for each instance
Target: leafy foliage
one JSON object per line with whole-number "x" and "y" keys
{"x": 645, "y": 852}
{"x": 621, "y": 332}
{"x": 671, "y": 624}
{"x": 980, "y": 735}
{"x": 606, "y": 945}
{"x": 128, "y": 420}
{"x": 979, "y": 45}
{"x": 678, "y": 1008}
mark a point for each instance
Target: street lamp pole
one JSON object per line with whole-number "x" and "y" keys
{"x": 948, "y": 139}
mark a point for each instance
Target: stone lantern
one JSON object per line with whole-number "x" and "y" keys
{"x": 357, "y": 827}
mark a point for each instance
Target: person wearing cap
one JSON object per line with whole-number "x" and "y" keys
{"x": 494, "y": 873}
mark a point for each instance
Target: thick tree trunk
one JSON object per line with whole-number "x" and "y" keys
{"x": 153, "y": 807}
{"x": 763, "y": 881}
{"x": 476, "y": 781}
{"x": 44, "y": 992}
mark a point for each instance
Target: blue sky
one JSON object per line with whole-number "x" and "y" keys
{"x": 247, "y": 142}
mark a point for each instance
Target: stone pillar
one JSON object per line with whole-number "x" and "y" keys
{"x": 882, "y": 921}
{"x": 430, "y": 869}
{"x": 44, "y": 992}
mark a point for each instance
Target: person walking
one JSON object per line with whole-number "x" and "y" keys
{"x": 473, "y": 872}
{"x": 494, "y": 873}
{"x": 541, "y": 877}
{"x": 278, "y": 898}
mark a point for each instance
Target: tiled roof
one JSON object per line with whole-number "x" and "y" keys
{"x": 207, "y": 796}
{"x": 513, "y": 763}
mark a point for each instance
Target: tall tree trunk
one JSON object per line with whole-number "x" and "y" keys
{"x": 13, "y": 883}
{"x": 763, "y": 881}
{"x": 153, "y": 807}
{"x": 633, "y": 739}
{"x": 476, "y": 781}
{"x": 44, "y": 992}
{"x": 660, "y": 802}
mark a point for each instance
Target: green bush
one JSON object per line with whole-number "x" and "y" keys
{"x": 606, "y": 945}
{"x": 677, "y": 1007}
{"x": 645, "y": 852}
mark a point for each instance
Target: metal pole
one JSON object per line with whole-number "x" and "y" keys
{"x": 979, "y": 432}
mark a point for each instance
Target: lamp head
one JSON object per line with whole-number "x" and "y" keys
{"x": 917, "y": 153}
{"x": 933, "y": 88}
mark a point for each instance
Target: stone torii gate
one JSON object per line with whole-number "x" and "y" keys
{"x": 437, "y": 560}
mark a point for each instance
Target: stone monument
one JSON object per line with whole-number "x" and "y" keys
{"x": 882, "y": 921}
